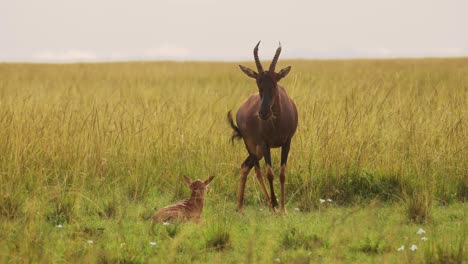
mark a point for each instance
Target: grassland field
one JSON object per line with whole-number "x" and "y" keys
{"x": 89, "y": 151}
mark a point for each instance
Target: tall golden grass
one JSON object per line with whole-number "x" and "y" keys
{"x": 142, "y": 125}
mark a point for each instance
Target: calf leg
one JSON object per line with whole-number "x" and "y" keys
{"x": 168, "y": 214}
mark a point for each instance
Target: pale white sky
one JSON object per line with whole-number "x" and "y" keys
{"x": 93, "y": 30}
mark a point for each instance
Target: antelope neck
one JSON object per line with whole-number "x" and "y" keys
{"x": 197, "y": 200}
{"x": 276, "y": 107}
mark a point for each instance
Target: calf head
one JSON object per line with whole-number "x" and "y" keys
{"x": 199, "y": 187}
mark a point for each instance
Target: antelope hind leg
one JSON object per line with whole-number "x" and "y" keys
{"x": 245, "y": 169}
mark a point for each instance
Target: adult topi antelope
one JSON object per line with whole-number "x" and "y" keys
{"x": 265, "y": 120}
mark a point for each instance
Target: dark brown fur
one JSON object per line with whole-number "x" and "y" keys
{"x": 265, "y": 120}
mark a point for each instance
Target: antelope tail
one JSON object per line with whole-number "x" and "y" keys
{"x": 236, "y": 134}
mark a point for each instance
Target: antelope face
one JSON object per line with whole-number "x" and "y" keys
{"x": 198, "y": 186}
{"x": 267, "y": 88}
{"x": 267, "y": 82}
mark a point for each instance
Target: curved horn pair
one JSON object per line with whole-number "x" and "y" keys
{"x": 273, "y": 63}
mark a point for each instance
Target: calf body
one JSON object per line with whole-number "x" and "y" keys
{"x": 190, "y": 209}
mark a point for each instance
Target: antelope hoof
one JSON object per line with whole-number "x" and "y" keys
{"x": 269, "y": 205}
{"x": 274, "y": 203}
{"x": 240, "y": 210}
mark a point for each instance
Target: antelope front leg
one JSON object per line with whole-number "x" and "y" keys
{"x": 284, "y": 159}
{"x": 270, "y": 176}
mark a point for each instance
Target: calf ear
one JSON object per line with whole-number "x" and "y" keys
{"x": 209, "y": 180}
{"x": 249, "y": 72}
{"x": 187, "y": 179}
{"x": 281, "y": 74}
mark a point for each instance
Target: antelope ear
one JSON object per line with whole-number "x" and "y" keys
{"x": 249, "y": 72}
{"x": 187, "y": 179}
{"x": 281, "y": 74}
{"x": 209, "y": 180}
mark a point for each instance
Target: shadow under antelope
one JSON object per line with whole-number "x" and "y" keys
{"x": 265, "y": 120}
{"x": 190, "y": 209}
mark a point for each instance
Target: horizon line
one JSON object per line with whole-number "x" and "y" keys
{"x": 181, "y": 60}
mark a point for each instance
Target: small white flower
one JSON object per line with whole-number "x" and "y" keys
{"x": 278, "y": 260}
{"x": 122, "y": 245}
{"x": 401, "y": 248}
{"x": 297, "y": 209}
{"x": 152, "y": 243}
{"x": 322, "y": 200}
{"x": 414, "y": 247}
{"x": 421, "y": 231}
{"x": 90, "y": 242}
{"x": 330, "y": 200}
{"x": 261, "y": 209}
{"x": 59, "y": 226}
{"x": 166, "y": 223}
{"x": 424, "y": 238}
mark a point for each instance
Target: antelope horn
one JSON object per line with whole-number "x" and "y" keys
{"x": 275, "y": 59}
{"x": 257, "y": 60}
